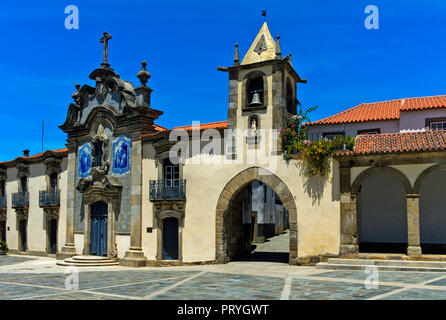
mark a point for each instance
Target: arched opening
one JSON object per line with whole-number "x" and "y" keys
{"x": 433, "y": 213}
{"x": 257, "y": 225}
{"x": 256, "y": 219}
{"x": 382, "y": 214}
{"x": 255, "y": 91}
{"x": 170, "y": 238}
{"x": 289, "y": 97}
{"x": 99, "y": 226}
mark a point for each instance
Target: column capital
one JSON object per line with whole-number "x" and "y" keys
{"x": 412, "y": 195}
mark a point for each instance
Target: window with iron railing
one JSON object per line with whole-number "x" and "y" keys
{"x": 49, "y": 198}
{"x": 20, "y": 199}
{"x": 159, "y": 190}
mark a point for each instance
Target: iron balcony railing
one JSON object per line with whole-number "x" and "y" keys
{"x": 2, "y": 202}
{"x": 160, "y": 190}
{"x": 49, "y": 198}
{"x": 20, "y": 199}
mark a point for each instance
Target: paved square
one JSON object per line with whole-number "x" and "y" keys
{"x": 39, "y": 278}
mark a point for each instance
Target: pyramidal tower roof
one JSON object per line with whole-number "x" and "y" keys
{"x": 263, "y": 48}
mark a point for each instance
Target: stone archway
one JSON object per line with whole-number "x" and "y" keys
{"x": 371, "y": 171}
{"x": 227, "y": 196}
{"x": 385, "y": 211}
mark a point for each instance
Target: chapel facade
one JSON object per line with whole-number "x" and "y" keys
{"x": 128, "y": 189}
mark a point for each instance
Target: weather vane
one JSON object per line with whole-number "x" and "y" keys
{"x": 264, "y": 14}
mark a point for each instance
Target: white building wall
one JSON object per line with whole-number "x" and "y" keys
{"x": 351, "y": 129}
{"x": 416, "y": 120}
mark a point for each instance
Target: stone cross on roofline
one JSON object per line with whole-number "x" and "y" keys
{"x": 104, "y": 41}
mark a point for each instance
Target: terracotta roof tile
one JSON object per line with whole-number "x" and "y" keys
{"x": 399, "y": 142}
{"x": 202, "y": 126}
{"x": 384, "y": 110}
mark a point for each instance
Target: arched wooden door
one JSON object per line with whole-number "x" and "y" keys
{"x": 98, "y": 236}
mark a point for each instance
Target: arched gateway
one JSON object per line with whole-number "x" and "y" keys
{"x": 228, "y": 195}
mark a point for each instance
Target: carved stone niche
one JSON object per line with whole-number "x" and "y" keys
{"x": 53, "y": 165}
{"x": 22, "y": 170}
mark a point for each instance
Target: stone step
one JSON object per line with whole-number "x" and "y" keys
{"x": 394, "y": 263}
{"x": 338, "y": 266}
{"x": 89, "y": 261}
{"x": 71, "y": 260}
{"x": 103, "y": 264}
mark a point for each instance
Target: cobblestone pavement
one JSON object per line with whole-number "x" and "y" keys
{"x": 40, "y": 278}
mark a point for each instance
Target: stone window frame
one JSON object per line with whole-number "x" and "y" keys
{"x": 160, "y": 216}
{"x": 248, "y": 77}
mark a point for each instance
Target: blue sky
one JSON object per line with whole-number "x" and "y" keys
{"x": 184, "y": 42}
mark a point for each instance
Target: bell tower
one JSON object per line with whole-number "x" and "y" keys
{"x": 262, "y": 87}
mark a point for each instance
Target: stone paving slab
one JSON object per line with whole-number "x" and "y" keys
{"x": 304, "y": 289}
{"x": 75, "y": 295}
{"x": 441, "y": 282}
{"x": 9, "y": 260}
{"x": 217, "y": 286}
{"x": 11, "y": 291}
{"x": 418, "y": 294}
{"x": 139, "y": 290}
{"x": 386, "y": 276}
{"x": 92, "y": 279}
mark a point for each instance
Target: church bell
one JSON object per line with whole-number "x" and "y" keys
{"x": 255, "y": 99}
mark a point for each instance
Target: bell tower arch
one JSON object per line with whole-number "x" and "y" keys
{"x": 263, "y": 85}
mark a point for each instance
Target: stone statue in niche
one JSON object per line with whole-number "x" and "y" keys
{"x": 254, "y": 126}
{"x": 99, "y": 165}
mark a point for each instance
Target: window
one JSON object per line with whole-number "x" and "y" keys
{"x": 171, "y": 174}
{"x": 53, "y": 182}
{"x": 24, "y": 184}
{"x": 369, "y": 131}
{"x": 333, "y": 135}
{"x": 438, "y": 125}
{"x": 98, "y": 152}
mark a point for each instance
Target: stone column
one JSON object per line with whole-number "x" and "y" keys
{"x": 134, "y": 257}
{"x": 69, "y": 249}
{"x": 413, "y": 224}
{"x": 349, "y": 224}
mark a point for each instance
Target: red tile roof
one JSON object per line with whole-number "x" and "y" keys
{"x": 399, "y": 143}
{"x": 202, "y": 126}
{"x": 60, "y": 152}
{"x": 384, "y": 110}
